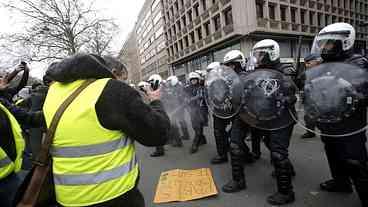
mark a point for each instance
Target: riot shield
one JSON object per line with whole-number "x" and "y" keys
{"x": 224, "y": 92}
{"x": 268, "y": 96}
{"x": 333, "y": 91}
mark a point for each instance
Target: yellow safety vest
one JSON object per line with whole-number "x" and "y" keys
{"x": 91, "y": 164}
{"x": 6, "y": 165}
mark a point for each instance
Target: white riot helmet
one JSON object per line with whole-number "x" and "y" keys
{"x": 334, "y": 40}
{"x": 201, "y": 73}
{"x": 266, "y": 52}
{"x": 155, "y": 81}
{"x": 235, "y": 56}
{"x": 213, "y": 66}
{"x": 132, "y": 85}
{"x": 172, "y": 80}
{"x": 194, "y": 75}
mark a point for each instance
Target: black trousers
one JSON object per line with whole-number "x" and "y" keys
{"x": 276, "y": 141}
{"x": 221, "y": 135}
{"x": 348, "y": 160}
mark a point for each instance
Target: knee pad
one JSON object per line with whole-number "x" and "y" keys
{"x": 236, "y": 149}
{"x": 280, "y": 161}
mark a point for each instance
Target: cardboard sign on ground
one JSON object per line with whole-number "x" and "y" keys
{"x": 185, "y": 185}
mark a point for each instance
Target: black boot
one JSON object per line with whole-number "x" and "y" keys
{"x": 195, "y": 145}
{"x": 202, "y": 140}
{"x": 219, "y": 159}
{"x": 285, "y": 192}
{"x": 256, "y": 147}
{"x": 234, "y": 186}
{"x": 308, "y": 135}
{"x": 360, "y": 178}
{"x": 335, "y": 186}
{"x": 160, "y": 151}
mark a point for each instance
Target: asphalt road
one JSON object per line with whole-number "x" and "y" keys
{"x": 307, "y": 156}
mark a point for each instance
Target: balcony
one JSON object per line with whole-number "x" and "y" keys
{"x": 224, "y": 2}
{"x": 274, "y": 24}
{"x": 303, "y": 2}
{"x": 175, "y": 38}
{"x": 341, "y": 10}
{"x": 199, "y": 44}
{"x": 313, "y": 29}
{"x": 228, "y": 29}
{"x": 193, "y": 47}
{"x": 177, "y": 15}
{"x": 284, "y": 1}
{"x": 178, "y": 34}
{"x": 181, "y": 11}
{"x": 214, "y": 8}
{"x": 188, "y": 4}
{"x": 327, "y": 7}
{"x": 285, "y": 25}
{"x": 295, "y": 27}
{"x": 187, "y": 50}
{"x": 293, "y": 1}
{"x": 305, "y": 28}
{"x": 334, "y": 9}
{"x": 181, "y": 53}
{"x": 197, "y": 21}
{"x": 312, "y": 4}
{"x": 217, "y": 35}
{"x": 261, "y": 22}
{"x": 208, "y": 39}
{"x": 205, "y": 15}
{"x": 319, "y": 6}
{"x": 184, "y": 31}
{"x": 190, "y": 26}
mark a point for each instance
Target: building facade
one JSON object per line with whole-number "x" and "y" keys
{"x": 129, "y": 56}
{"x": 199, "y": 32}
{"x": 151, "y": 41}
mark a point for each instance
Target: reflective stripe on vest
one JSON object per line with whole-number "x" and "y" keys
{"x": 91, "y": 164}
{"x": 90, "y": 150}
{"x": 5, "y": 162}
{"x": 96, "y": 178}
{"x": 7, "y": 166}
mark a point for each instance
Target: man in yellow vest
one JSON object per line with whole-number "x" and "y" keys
{"x": 94, "y": 161}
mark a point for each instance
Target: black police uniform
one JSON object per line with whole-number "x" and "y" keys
{"x": 277, "y": 141}
{"x": 347, "y": 157}
{"x": 196, "y": 99}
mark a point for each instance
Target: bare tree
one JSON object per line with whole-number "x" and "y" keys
{"x": 58, "y": 28}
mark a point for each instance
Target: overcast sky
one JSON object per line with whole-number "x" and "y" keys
{"x": 125, "y": 13}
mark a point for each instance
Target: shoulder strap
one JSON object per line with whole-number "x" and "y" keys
{"x": 49, "y": 137}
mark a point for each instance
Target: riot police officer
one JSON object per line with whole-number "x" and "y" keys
{"x": 178, "y": 91}
{"x": 195, "y": 94}
{"x": 267, "y": 53}
{"x": 220, "y": 133}
{"x": 347, "y": 156}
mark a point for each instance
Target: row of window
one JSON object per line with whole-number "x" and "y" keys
{"x": 314, "y": 18}
{"x": 201, "y": 32}
{"x": 179, "y": 6}
{"x": 153, "y": 52}
{"x": 216, "y": 24}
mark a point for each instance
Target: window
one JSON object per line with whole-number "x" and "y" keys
{"x": 178, "y": 25}
{"x": 311, "y": 18}
{"x": 161, "y": 46}
{"x": 192, "y": 37}
{"x": 319, "y": 19}
{"x": 186, "y": 41}
{"x": 159, "y": 32}
{"x": 204, "y": 5}
{"x": 149, "y": 27}
{"x": 176, "y": 7}
{"x": 155, "y": 4}
{"x": 157, "y": 18}
{"x": 302, "y": 16}
{"x": 283, "y": 13}
{"x": 207, "y": 28}
{"x": 196, "y": 10}
{"x": 199, "y": 33}
{"x": 216, "y": 22}
{"x": 176, "y": 47}
{"x": 184, "y": 20}
{"x": 190, "y": 15}
{"x": 181, "y": 44}
{"x": 174, "y": 30}
{"x": 271, "y": 9}
{"x": 293, "y": 15}
{"x": 228, "y": 13}
{"x": 182, "y": 3}
{"x": 259, "y": 9}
